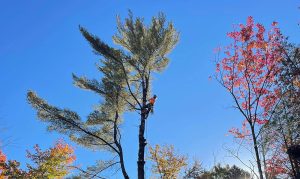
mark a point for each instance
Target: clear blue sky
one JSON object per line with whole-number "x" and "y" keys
{"x": 40, "y": 46}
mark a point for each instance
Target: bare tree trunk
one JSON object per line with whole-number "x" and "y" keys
{"x": 286, "y": 146}
{"x": 297, "y": 168}
{"x": 296, "y": 165}
{"x": 142, "y": 140}
{"x": 142, "y": 144}
{"x": 119, "y": 146}
{"x": 256, "y": 153}
{"x": 123, "y": 165}
{"x": 264, "y": 160}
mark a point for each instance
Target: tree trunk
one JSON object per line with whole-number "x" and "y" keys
{"x": 142, "y": 140}
{"x": 142, "y": 144}
{"x": 286, "y": 146}
{"x": 123, "y": 165}
{"x": 296, "y": 165}
{"x": 297, "y": 168}
{"x": 292, "y": 166}
{"x": 264, "y": 161}
{"x": 119, "y": 146}
{"x": 256, "y": 153}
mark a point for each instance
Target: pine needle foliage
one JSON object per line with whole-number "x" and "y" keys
{"x": 125, "y": 86}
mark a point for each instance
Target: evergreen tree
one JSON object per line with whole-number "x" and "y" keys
{"x": 125, "y": 86}
{"x": 217, "y": 172}
{"x": 195, "y": 171}
{"x": 228, "y": 172}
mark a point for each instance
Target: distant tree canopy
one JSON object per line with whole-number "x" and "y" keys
{"x": 166, "y": 163}
{"x": 125, "y": 86}
{"x": 194, "y": 171}
{"x": 52, "y": 163}
{"x": 219, "y": 172}
{"x": 227, "y": 172}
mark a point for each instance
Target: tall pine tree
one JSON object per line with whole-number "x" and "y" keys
{"x": 125, "y": 86}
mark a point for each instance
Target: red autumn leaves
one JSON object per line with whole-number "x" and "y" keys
{"x": 248, "y": 70}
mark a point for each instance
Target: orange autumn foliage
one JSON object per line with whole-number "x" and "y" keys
{"x": 63, "y": 150}
{"x": 166, "y": 162}
{"x": 51, "y": 163}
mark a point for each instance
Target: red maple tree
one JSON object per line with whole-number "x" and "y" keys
{"x": 248, "y": 71}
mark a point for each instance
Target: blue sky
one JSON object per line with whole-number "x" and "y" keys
{"x": 41, "y": 47}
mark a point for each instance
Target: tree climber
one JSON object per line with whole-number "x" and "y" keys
{"x": 149, "y": 106}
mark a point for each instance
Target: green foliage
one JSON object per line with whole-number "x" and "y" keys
{"x": 145, "y": 48}
{"x": 227, "y": 172}
{"x": 147, "y": 45}
{"x": 219, "y": 172}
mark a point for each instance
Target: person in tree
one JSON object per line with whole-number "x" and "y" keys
{"x": 149, "y": 106}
